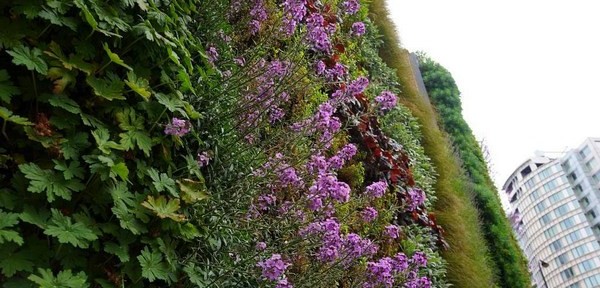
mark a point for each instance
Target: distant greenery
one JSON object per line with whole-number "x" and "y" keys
{"x": 467, "y": 257}
{"x": 512, "y": 269}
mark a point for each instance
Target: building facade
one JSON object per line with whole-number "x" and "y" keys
{"x": 555, "y": 211}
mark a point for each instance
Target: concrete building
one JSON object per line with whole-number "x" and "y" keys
{"x": 555, "y": 212}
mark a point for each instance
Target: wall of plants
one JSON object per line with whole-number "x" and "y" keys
{"x": 202, "y": 143}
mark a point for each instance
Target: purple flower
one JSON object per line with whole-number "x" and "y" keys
{"x": 273, "y": 267}
{"x": 327, "y": 254}
{"x": 276, "y": 114}
{"x": 392, "y": 231}
{"x": 288, "y": 176}
{"x": 265, "y": 201}
{"x": 318, "y": 164}
{"x": 177, "y": 127}
{"x": 261, "y": 246}
{"x": 284, "y": 283}
{"x": 212, "y": 54}
{"x": 400, "y": 262}
{"x": 380, "y": 272}
{"x": 358, "y": 29}
{"x": 203, "y": 159}
{"x": 369, "y": 214}
{"x": 387, "y": 100}
{"x": 358, "y": 86}
{"x": 241, "y": 61}
{"x": 336, "y": 162}
{"x": 416, "y": 198}
{"x": 254, "y": 26}
{"x": 351, "y": 6}
{"x": 419, "y": 259}
{"x": 376, "y": 189}
{"x": 348, "y": 151}
{"x": 320, "y": 67}
{"x": 355, "y": 247}
{"x": 337, "y": 72}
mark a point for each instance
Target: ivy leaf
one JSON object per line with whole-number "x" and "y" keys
{"x": 153, "y": 266}
{"x": 37, "y": 217}
{"x": 121, "y": 170}
{"x": 115, "y": 57}
{"x": 7, "y": 89}
{"x": 59, "y": 20}
{"x": 64, "y": 279}
{"x": 46, "y": 180}
{"x": 8, "y": 220}
{"x": 138, "y": 85}
{"x": 8, "y": 115}
{"x": 74, "y": 144}
{"x": 13, "y": 262}
{"x": 64, "y": 102}
{"x": 76, "y": 234}
{"x": 62, "y": 78}
{"x": 31, "y": 59}
{"x": 110, "y": 88}
{"x": 162, "y": 182}
{"x": 121, "y": 251}
{"x": 69, "y": 171}
{"x": 164, "y": 208}
{"x": 192, "y": 191}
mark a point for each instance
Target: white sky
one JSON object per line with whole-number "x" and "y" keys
{"x": 528, "y": 70}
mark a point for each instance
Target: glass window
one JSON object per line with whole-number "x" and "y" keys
{"x": 584, "y": 202}
{"x": 584, "y": 152}
{"x": 562, "y": 259}
{"x": 545, "y": 173}
{"x": 550, "y": 232}
{"x": 567, "y": 223}
{"x": 550, "y": 185}
{"x": 592, "y": 281}
{"x": 587, "y": 265}
{"x": 556, "y": 245}
{"x": 573, "y": 236}
{"x": 574, "y": 285}
{"x": 540, "y": 206}
{"x": 567, "y": 273}
{"x": 590, "y": 164}
{"x": 546, "y": 218}
{"x": 530, "y": 183}
{"x": 580, "y": 250}
{"x": 562, "y": 210}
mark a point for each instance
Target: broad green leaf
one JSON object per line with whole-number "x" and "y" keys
{"x": 38, "y": 217}
{"x": 115, "y": 57}
{"x": 7, "y": 89}
{"x": 189, "y": 231}
{"x": 59, "y": 20}
{"x": 31, "y": 59}
{"x": 121, "y": 170}
{"x": 63, "y": 228}
{"x": 74, "y": 144}
{"x": 47, "y": 181}
{"x": 91, "y": 121}
{"x": 13, "y": 261}
{"x": 152, "y": 265}
{"x": 162, "y": 182}
{"x": 7, "y": 115}
{"x": 62, "y": 78}
{"x": 192, "y": 191}
{"x": 110, "y": 88}
{"x": 138, "y": 85}
{"x": 64, "y": 279}
{"x": 64, "y": 102}
{"x": 74, "y": 61}
{"x": 121, "y": 251}
{"x": 71, "y": 170}
{"x": 89, "y": 18}
{"x": 102, "y": 137}
{"x": 164, "y": 208}
{"x": 8, "y": 220}
{"x": 135, "y": 134}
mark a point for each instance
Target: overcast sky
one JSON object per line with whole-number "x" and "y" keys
{"x": 528, "y": 70}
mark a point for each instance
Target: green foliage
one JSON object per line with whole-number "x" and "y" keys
{"x": 64, "y": 279}
{"x": 505, "y": 251}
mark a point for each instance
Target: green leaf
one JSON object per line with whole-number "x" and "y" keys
{"x": 125, "y": 204}
{"x": 64, "y": 279}
{"x": 64, "y": 102}
{"x": 71, "y": 170}
{"x": 121, "y": 251}
{"x": 110, "y": 88}
{"x": 59, "y": 20}
{"x": 7, "y": 115}
{"x": 135, "y": 132}
{"x": 74, "y": 61}
{"x": 31, "y": 59}
{"x": 13, "y": 262}
{"x": 138, "y": 85}
{"x": 46, "y": 180}
{"x": 115, "y": 57}
{"x": 192, "y": 191}
{"x": 74, "y": 144}
{"x": 189, "y": 231}
{"x": 8, "y": 220}
{"x": 62, "y": 78}
{"x": 162, "y": 182}
{"x": 76, "y": 234}
{"x": 121, "y": 170}
{"x": 164, "y": 208}
{"x": 38, "y": 217}
{"x": 102, "y": 137}
{"x": 7, "y": 89}
{"x": 153, "y": 266}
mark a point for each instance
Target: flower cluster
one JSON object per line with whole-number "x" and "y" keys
{"x": 259, "y": 15}
{"x": 294, "y": 12}
{"x": 377, "y": 189}
{"x": 177, "y": 127}
{"x": 274, "y": 267}
{"x": 369, "y": 214}
{"x": 387, "y": 100}
{"x": 351, "y": 6}
{"x": 416, "y": 198}
{"x": 358, "y": 29}
{"x": 384, "y": 272}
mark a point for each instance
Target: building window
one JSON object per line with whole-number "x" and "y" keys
{"x": 584, "y": 202}
{"x": 573, "y": 236}
{"x": 590, "y": 165}
{"x": 590, "y": 215}
{"x": 545, "y": 173}
{"x": 550, "y": 185}
{"x": 584, "y": 152}
{"x": 592, "y": 281}
{"x": 578, "y": 189}
{"x": 567, "y": 223}
{"x": 540, "y": 207}
{"x": 574, "y": 285}
{"x": 580, "y": 250}
{"x": 567, "y": 273}
{"x": 550, "y": 232}
{"x": 572, "y": 177}
{"x": 546, "y": 218}
{"x": 586, "y": 265}
{"x": 562, "y": 259}
{"x": 562, "y": 210}
{"x": 556, "y": 245}
{"x": 525, "y": 171}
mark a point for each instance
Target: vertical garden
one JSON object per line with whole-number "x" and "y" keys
{"x": 193, "y": 143}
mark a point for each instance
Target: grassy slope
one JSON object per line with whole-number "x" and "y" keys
{"x": 468, "y": 265}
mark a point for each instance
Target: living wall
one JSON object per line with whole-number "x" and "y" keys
{"x": 207, "y": 144}
{"x": 504, "y": 249}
